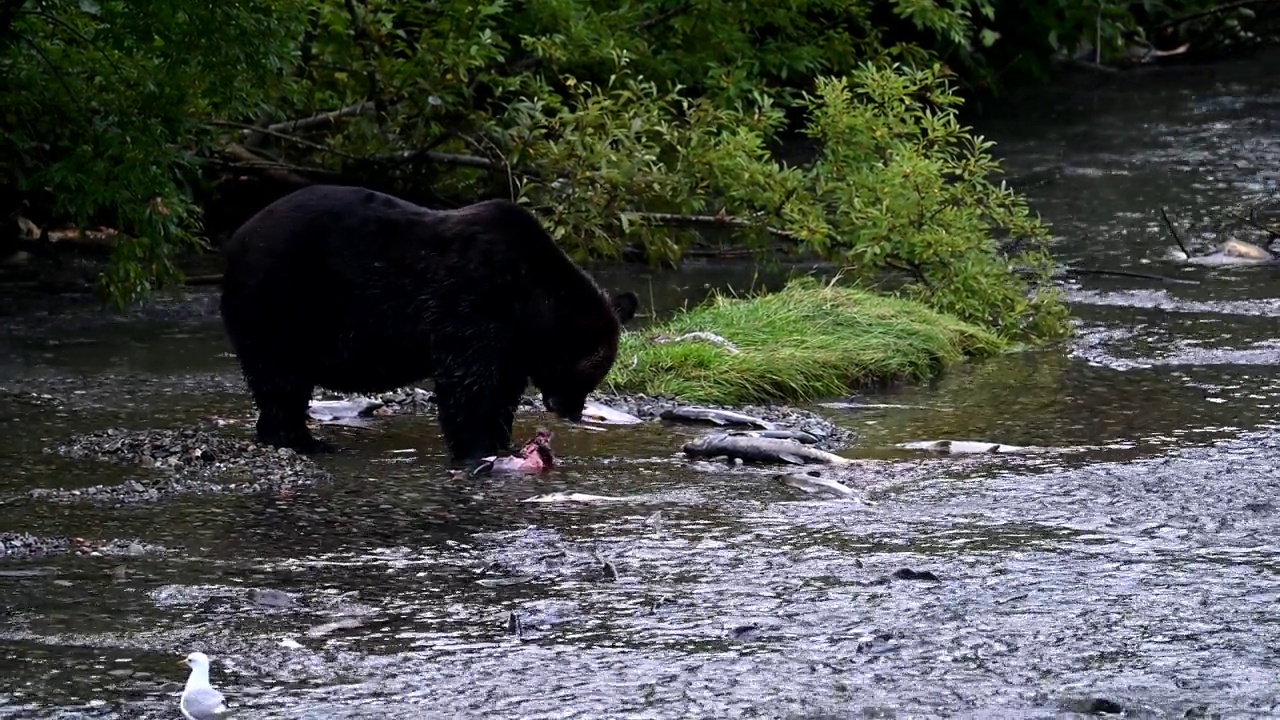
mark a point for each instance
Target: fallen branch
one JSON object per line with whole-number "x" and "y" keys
{"x": 283, "y": 136}
{"x": 278, "y": 171}
{"x": 324, "y": 118}
{"x": 1131, "y": 274}
{"x": 1169, "y": 224}
{"x": 677, "y": 219}
{"x": 443, "y": 158}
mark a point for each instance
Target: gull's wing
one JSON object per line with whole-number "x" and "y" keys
{"x": 203, "y": 704}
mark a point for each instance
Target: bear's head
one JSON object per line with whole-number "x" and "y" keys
{"x": 585, "y": 358}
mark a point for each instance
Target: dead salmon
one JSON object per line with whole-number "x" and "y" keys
{"x": 812, "y": 482}
{"x": 750, "y": 448}
{"x": 714, "y": 416}
{"x": 960, "y": 446}
{"x": 604, "y": 414}
{"x": 781, "y": 434}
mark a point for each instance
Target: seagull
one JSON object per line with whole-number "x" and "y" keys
{"x": 199, "y": 700}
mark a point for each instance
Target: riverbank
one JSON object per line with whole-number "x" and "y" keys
{"x": 807, "y": 341}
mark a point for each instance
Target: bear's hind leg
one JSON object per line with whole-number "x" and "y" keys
{"x": 282, "y": 415}
{"x": 477, "y": 412}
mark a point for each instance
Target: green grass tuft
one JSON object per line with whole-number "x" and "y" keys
{"x": 807, "y": 341}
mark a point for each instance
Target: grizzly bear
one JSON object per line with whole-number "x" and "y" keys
{"x": 358, "y": 291}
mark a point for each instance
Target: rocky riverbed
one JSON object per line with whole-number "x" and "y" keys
{"x": 219, "y": 454}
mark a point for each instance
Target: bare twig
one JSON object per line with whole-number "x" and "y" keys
{"x": 914, "y": 269}
{"x": 1169, "y": 224}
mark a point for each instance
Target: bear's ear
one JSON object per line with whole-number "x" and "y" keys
{"x": 625, "y": 305}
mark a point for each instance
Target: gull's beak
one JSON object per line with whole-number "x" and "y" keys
{"x": 183, "y": 661}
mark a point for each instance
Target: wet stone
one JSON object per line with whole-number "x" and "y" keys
{"x": 909, "y": 574}
{"x": 186, "y": 461}
{"x": 28, "y": 545}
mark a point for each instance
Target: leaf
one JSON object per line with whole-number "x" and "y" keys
{"x": 988, "y": 37}
{"x": 90, "y": 6}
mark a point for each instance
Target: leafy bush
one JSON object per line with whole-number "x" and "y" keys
{"x": 641, "y": 124}
{"x": 102, "y": 107}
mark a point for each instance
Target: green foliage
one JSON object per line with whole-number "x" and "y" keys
{"x": 635, "y": 124}
{"x": 914, "y": 192}
{"x": 102, "y": 106}
{"x": 807, "y": 341}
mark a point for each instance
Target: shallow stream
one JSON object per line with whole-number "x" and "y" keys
{"x": 1141, "y": 575}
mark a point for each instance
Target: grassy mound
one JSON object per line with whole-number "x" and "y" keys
{"x": 805, "y": 342}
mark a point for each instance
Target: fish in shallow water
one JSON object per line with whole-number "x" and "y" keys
{"x": 782, "y": 434}
{"x": 344, "y": 412}
{"x": 605, "y": 414}
{"x": 960, "y": 446}
{"x": 760, "y": 449}
{"x": 812, "y": 482}
{"x": 714, "y": 416}
{"x": 571, "y": 497}
{"x": 873, "y": 406}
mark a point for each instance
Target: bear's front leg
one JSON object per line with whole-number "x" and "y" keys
{"x": 282, "y": 417}
{"x": 477, "y": 413}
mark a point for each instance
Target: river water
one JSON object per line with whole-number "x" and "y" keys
{"x": 1142, "y": 575}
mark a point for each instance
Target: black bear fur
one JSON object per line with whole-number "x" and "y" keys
{"x": 358, "y": 291}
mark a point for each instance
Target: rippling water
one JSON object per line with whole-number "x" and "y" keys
{"x": 1141, "y": 575}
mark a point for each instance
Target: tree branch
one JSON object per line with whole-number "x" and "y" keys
{"x": 283, "y": 136}
{"x": 324, "y": 118}
{"x": 1169, "y": 224}
{"x": 660, "y": 18}
{"x": 1227, "y": 7}
{"x": 676, "y": 219}
{"x": 278, "y": 171}
{"x": 367, "y": 51}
